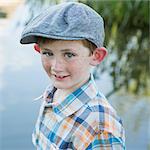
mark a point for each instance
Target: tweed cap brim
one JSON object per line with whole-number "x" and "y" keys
{"x": 33, "y": 38}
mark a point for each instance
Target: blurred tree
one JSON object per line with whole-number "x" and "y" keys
{"x": 2, "y": 14}
{"x": 127, "y": 39}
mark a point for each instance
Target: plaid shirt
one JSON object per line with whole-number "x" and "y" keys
{"x": 84, "y": 120}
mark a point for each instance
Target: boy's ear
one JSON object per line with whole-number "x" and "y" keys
{"x": 98, "y": 56}
{"x": 37, "y": 48}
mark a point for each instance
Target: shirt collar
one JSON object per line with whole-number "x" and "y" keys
{"x": 74, "y": 101}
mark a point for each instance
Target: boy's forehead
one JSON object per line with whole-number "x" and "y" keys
{"x": 56, "y": 42}
{"x": 73, "y": 45}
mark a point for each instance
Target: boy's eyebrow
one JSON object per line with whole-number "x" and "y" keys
{"x": 63, "y": 50}
{"x": 66, "y": 50}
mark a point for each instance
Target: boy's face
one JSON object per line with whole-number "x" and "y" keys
{"x": 67, "y": 63}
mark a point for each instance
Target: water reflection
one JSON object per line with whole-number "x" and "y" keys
{"x": 21, "y": 81}
{"x": 136, "y": 116}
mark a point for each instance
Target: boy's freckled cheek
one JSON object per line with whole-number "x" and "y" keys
{"x": 77, "y": 65}
{"x": 46, "y": 64}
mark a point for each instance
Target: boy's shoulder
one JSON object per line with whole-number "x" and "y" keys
{"x": 103, "y": 116}
{"x": 101, "y": 105}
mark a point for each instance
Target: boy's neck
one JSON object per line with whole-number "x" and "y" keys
{"x": 61, "y": 94}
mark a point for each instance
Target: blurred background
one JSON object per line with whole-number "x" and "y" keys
{"x": 124, "y": 76}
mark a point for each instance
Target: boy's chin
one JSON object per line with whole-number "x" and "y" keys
{"x": 59, "y": 86}
{"x": 63, "y": 87}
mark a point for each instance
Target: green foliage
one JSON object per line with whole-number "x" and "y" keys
{"x": 127, "y": 39}
{"x": 2, "y": 14}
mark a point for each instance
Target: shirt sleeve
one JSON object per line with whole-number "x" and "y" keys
{"x": 106, "y": 141}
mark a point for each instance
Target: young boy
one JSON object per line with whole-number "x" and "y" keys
{"x": 73, "y": 114}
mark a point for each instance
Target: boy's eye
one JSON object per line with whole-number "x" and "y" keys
{"x": 47, "y": 53}
{"x": 69, "y": 55}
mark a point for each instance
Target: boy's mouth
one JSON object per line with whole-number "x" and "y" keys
{"x": 58, "y": 77}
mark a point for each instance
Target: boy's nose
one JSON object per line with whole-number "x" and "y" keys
{"x": 57, "y": 65}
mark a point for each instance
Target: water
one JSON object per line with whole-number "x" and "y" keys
{"x": 18, "y": 87}
{"x": 22, "y": 79}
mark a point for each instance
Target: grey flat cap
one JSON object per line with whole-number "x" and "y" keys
{"x": 66, "y": 21}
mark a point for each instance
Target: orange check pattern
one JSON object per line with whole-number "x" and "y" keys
{"x": 83, "y": 121}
